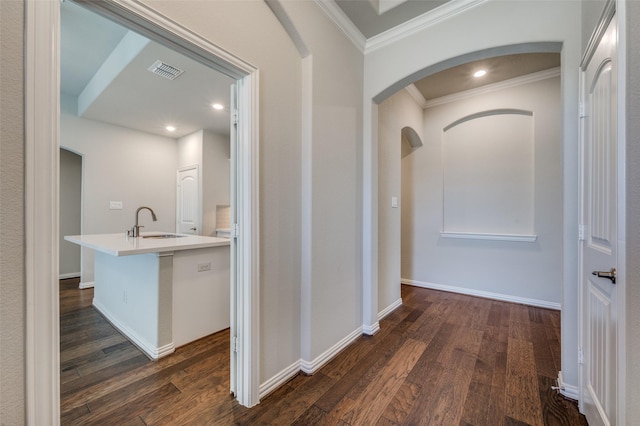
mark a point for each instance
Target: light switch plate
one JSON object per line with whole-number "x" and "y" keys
{"x": 204, "y": 267}
{"x": 115, "y": 205}
{"x": 394, "y": 202}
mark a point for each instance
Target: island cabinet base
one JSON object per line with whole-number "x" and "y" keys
{"x": 163, "y": 300}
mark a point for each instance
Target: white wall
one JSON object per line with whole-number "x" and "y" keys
{"x": 395, "y": 113}
{"x": 124, "y": 165}
{"x": 12, "y": 209}
{"x": 632, "y": 275}
{"x": 215, "y": 178}
{"x": 331, "y": 172}
{"x": 190, "y": 149}
{"x": 526, "y": 270}
{"x": 489, "y": 28}
{"x": 70, "y": 211}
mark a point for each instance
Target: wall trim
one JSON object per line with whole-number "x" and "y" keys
{"x": 494, "y": 87}
{"x": 310, "y": 367}
{"x": 372, "y": 329}
{"x": 42, "y": 59}
{"x": 484, "y": 294}
{"x": 416, "y": 95}
{"x": 69, "y": 275}
{"x": 86, "y": 284}
{"x": 492, "y": 237}
{"x": 279, "y": 379}
{"x": 607, "y": 15}
{"x": 141, "y": 343}
{"x": 333, "y": 11}
{"x": 419, "y": 23}
{"x": 392, "y": 307}
{"x": 392, "y": 35}
{"x": 42, "y": 333}
{"x": 567, "y": 390}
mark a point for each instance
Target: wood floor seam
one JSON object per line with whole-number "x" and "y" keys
{"x": 439, "y": 359}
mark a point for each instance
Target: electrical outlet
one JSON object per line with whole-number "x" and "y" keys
{"x": 115, "y": 205}
{"x": 204, "y": 267}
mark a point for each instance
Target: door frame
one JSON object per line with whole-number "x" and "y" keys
{"x": 612, "y": 7}
{"x": 42, "y": 144}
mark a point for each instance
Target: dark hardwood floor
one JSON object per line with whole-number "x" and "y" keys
{"x": 440, "y": 359}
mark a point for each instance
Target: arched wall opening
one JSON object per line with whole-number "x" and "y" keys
{"x": 395, "y": 65}
{"x": 472, "y": 201}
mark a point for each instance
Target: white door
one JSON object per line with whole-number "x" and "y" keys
{"x": 188, "y": 201}
{"x": 599, "y": 244}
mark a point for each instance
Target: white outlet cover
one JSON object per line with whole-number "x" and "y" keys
{"x": 115, "y": 205}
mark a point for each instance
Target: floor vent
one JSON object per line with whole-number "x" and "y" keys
{"x": 165, "y": 70}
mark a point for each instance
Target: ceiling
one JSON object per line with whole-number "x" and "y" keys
{"x": 131, "y": 96}
{"x": 373, "y": 17}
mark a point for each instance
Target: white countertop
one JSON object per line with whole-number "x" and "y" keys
{"x": 121, "y": 245}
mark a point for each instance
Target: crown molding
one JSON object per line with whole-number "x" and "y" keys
{"x": 412, "y": 26}
{"x": 518, "y": 81}
{"x": 331, "y": 8}
{"x": 441, "y": 13}
{"x": 416, "y": 95}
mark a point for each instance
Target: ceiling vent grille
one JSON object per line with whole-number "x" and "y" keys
{"x": 165, "y": 70}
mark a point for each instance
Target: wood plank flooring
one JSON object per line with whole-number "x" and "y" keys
{"x": 440, "y": 359}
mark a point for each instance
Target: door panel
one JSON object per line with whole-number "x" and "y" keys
{"x": 188, "y": 202}
{"x": 599, "y": 247}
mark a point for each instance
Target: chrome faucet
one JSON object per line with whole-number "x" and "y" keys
{"x": 135, "y": 231}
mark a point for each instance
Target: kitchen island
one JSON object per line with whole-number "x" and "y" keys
{"x": 161, "y": 290}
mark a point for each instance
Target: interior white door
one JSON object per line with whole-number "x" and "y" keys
{"x": 188, "y": 201}
{"x": 599, "y": 245}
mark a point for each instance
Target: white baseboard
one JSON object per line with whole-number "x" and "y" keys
{"x": 372, "y": 329}
{"x": 485, "y": 294}
{"x": 279, "y": 379}
{"x": 392, "y": 307}
{"x": 307, "y": 367}
{"x": 86, "y": 284}
{"x": 69, "y": 275}
{"x": 569, "y": 391}
{"x": 150, "y": 350}
{"x": 310, "y": 367}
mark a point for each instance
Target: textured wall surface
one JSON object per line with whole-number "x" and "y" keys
{"x": 633, "y": 207}
{"x": 12, "y": 373}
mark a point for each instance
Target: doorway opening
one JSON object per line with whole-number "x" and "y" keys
{"x": 42, "y": 170}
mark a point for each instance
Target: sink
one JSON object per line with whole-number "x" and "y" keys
{"x": 163, "y": 236}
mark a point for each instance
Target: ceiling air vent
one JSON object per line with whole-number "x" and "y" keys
{"x": 165, "y": 70}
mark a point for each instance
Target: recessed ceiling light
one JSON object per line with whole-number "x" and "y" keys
{"x": 479, "y": 73}
{"x": 217, "y": 106}
{"x": 170, "y": 128}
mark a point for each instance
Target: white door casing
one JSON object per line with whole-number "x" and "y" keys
{"x": 188, "y": 201}
{"x": 42, "y": 100}
{"x": 599, "y": 218}
{"x": 233, "y": 246}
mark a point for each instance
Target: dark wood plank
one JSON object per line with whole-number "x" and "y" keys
{"x": 370, "y": 405}
{"x": 441, "y": 358}
{"x": 523, "y": 396}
